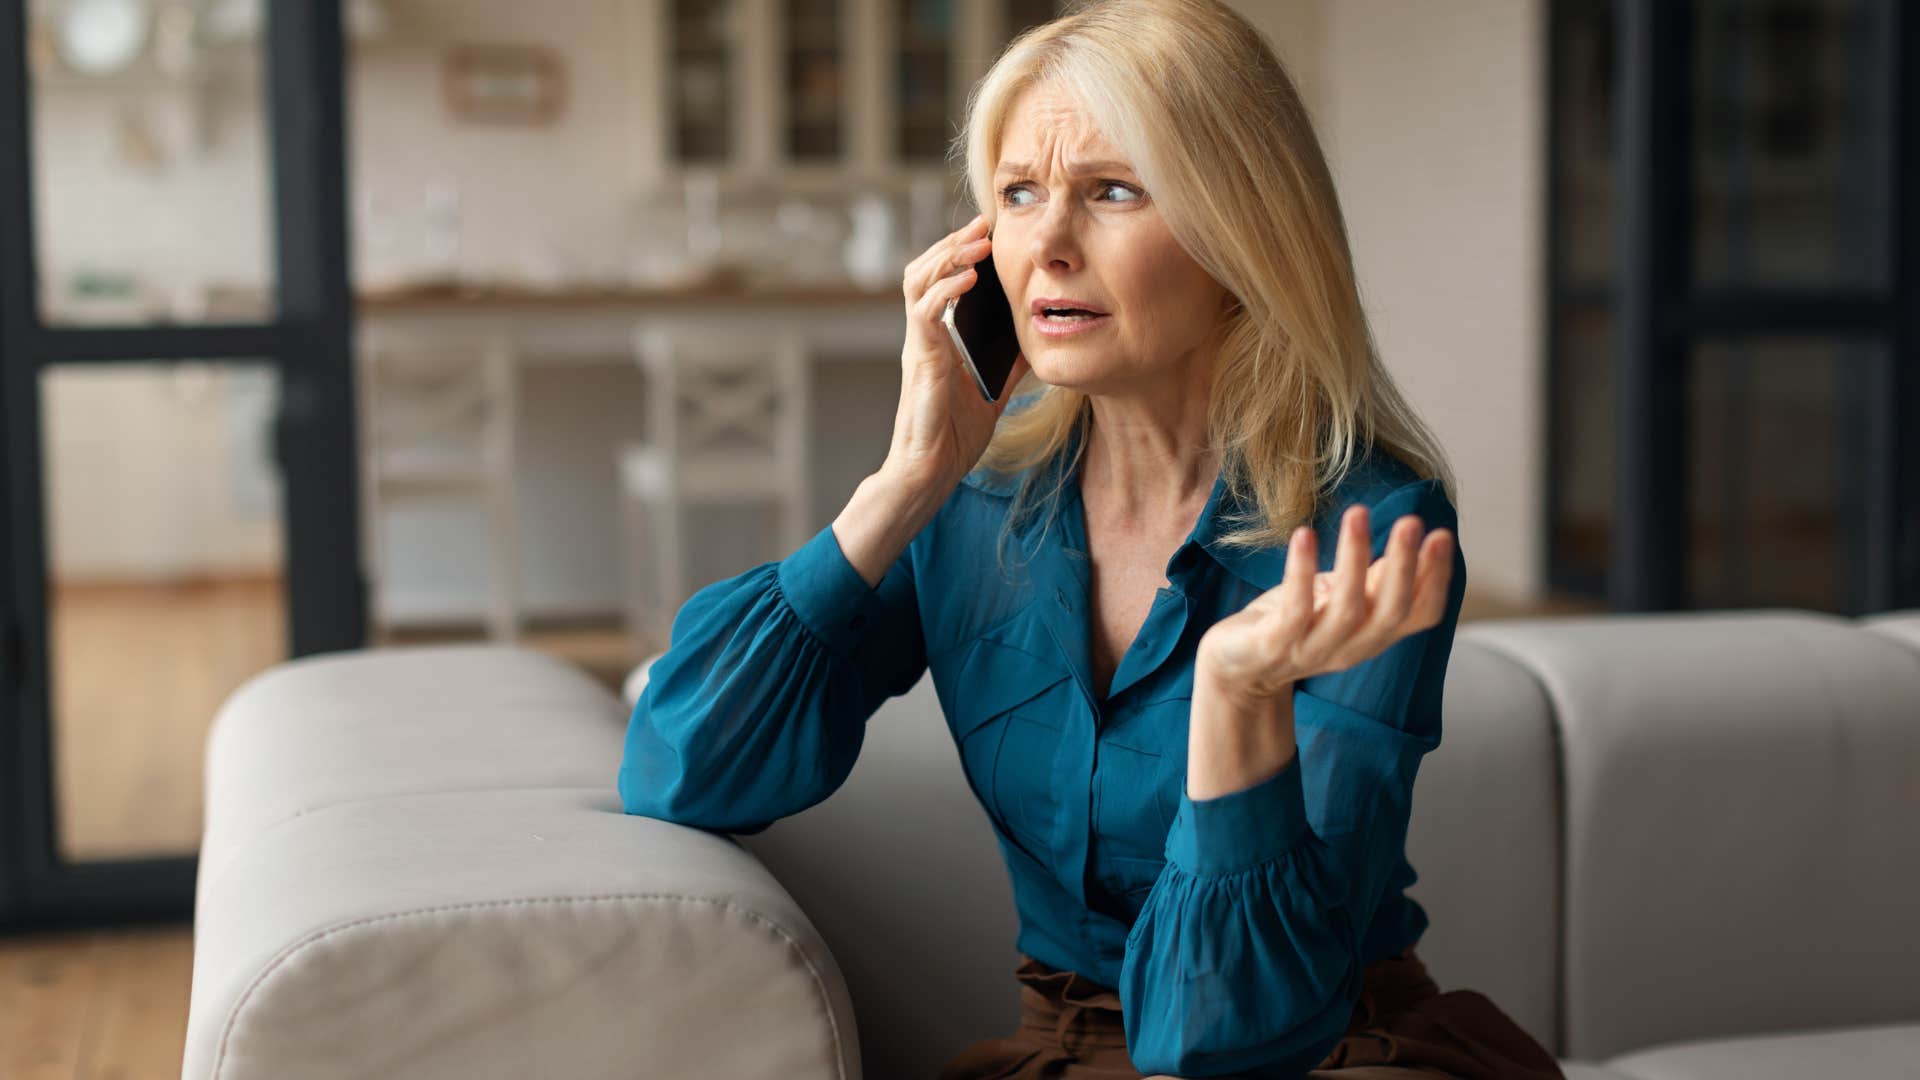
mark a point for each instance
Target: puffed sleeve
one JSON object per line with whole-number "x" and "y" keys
{"x": 1245, "y": 959}
{"x": 758, "y": 707}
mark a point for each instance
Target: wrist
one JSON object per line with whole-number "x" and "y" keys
{"x": 1235, "y": 740}
{"x": 878, "y": 522}
{"x": 1233, "y": 696}
{"x": 906, "y": 503}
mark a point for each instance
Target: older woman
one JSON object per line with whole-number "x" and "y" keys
{"x": 1187, "y": 604}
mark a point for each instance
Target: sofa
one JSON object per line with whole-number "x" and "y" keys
{"x": 1673, "y": 847}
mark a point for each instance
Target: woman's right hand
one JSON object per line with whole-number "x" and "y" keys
{"x": 942, "y": 425}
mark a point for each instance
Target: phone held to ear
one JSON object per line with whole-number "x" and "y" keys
{"x": 980, "y": 321}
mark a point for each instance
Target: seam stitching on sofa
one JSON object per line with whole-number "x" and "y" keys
{"x": 287, "y": 953}
{"x": 317, "y": 808}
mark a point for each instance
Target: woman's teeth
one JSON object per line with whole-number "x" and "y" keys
{"x": 1072, "y": 315}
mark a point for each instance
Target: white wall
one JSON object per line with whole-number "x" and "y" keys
{"x": 1432, "y": 116}
{"x": 526, "y": 194}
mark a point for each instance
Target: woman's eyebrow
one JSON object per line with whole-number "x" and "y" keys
{"x": 1080, "y": 168}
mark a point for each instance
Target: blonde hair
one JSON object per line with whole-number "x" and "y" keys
{"x": 1207, "y": 115}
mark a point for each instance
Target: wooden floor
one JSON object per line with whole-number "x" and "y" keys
{"x": 139, "y": 673}
{"x": 98, "y": 1004}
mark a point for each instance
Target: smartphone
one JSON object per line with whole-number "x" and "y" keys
{"x": 980, "y": 321}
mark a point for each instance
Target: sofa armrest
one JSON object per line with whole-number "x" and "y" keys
{"x": 532, "y": 932}
{"x": 416, "y": 863}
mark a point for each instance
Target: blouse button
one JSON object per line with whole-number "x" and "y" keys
{"x": 1061, "y": 595}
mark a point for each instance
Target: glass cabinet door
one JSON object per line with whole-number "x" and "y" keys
{"x": 701, "y": 64}
{"x": 814, "y": 106}
{"x": 924, "y": 94}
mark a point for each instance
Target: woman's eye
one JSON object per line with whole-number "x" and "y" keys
{"x": 1007, "y": 193}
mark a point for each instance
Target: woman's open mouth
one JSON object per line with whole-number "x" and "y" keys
{"x": 1065, "y": 322}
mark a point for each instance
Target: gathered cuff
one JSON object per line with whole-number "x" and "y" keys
{"x": 1241, "y": 829}
{"x": 827, "y": 593}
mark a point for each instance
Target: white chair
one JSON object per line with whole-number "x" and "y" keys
{"x": 728, "y": 424}
{"x": 437, "y": 424}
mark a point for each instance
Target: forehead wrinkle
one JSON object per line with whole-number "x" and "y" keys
{"x": 1078, "y": 168}
{"x": 1062, "y": 125}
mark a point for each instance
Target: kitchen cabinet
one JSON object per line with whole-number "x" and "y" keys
{"x": 812, "y": 93}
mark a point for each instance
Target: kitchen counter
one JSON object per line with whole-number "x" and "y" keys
{"x": 588, "y": 324}
{"x": 726, "y": 291}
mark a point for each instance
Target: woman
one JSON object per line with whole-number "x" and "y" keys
{"x": 1196, "y": 744}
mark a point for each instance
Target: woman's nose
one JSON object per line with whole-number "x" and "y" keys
{"x": 1053, "y": 238}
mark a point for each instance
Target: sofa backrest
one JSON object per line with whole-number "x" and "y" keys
{"x": 1636, "y": 829}
{"x": 900, "y": 873}
{"x": 1738, "y": 795}
{"x": 1484, "y": 839}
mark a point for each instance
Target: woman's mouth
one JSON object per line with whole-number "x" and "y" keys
{"x": 1065, "y": 322}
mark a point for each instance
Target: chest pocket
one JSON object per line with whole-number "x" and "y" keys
{"x": 1009, "y": 723}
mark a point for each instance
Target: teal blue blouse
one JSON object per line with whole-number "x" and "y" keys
{"x": 1234, "y": 928}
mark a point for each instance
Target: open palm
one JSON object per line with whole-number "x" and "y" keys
{"x": 1320, "y": 621}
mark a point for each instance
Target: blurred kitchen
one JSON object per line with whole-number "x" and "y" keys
{"x": 618, "y": 313}
{"x": 564, "y": 219}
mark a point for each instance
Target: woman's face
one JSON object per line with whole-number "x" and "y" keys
{"x": 1074, "y": 223}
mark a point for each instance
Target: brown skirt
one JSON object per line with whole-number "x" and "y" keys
{"x": 1403, "y": 1028}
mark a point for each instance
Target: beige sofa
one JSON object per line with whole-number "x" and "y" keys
{"x": 1673, "y": 847}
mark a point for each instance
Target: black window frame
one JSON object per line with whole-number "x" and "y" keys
{"x": 1658, "y": 316}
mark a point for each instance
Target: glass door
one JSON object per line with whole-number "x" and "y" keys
{"x": 178, "y": 487}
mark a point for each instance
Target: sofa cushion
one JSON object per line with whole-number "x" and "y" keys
{"x": 1882, "y": 1052}
{"x": 1580, "y": 1070}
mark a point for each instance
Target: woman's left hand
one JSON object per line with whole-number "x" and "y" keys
{"x": 1315, "y": 622}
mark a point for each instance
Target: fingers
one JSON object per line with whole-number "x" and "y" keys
{"x": 1295, "y": 602}
{"x": 1346, "y": 608}
{"x": 1395, "y": 599}
{"x": 1366, "y": 610}
{"x": 933, "y": 304}
{"x": 1326, "y": 621}
{"x": 939, "y": 249}
{"x": 1431, "y": 582}
{"x": 959, "y": 261}
{"x": 962, "y": 247}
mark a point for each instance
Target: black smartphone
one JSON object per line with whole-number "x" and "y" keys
{"x": 980, "y": 321}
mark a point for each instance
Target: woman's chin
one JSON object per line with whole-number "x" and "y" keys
{"x": 1085, "y": 378}
{"x": 1066, "y": 367}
